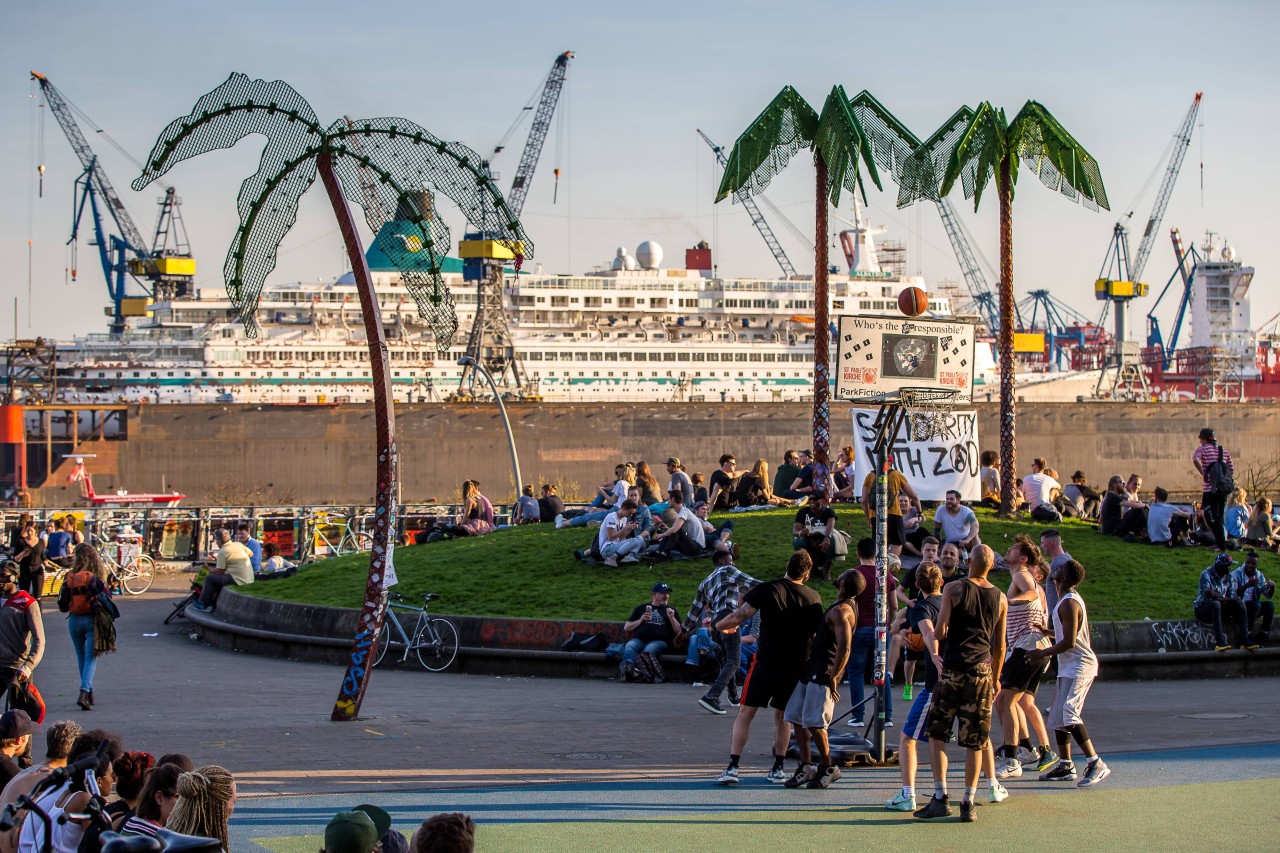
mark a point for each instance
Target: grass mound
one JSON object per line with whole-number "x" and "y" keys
{"x": 531, "y": 572}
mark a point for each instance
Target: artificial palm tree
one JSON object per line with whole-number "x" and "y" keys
{"x": 392, "y": 167}
{"x": 838, "y": 143}
{"x": 975, "y": 146}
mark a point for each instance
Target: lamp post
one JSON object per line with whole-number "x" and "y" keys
{"x": 468, "y": 361}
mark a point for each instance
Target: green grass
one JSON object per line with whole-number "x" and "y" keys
{"x": 531, "y": 572}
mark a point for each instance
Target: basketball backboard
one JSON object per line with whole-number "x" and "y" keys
{"x": 877, "y": 357}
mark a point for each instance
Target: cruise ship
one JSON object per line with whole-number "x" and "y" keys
{"x": 629, "y": 330}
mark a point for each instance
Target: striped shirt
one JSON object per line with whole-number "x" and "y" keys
{"x": 1206, "y": 455}
{"x": 1022, "y": 619}
{"x": 718, "y": 593}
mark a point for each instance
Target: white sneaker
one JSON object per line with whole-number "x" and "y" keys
{"x": 612, "y": 562}
{"x": 1028, "y": 756}
{"x": 560, "y": 522}
{"x": 1008, "y": 768}
{"x": 998, "y": 793}
{"x": 776, "y": 775}
{"x": 630, "y": 558}
{"x": 728, "y": 777}
{"x": 855, "y": 723}
{"x": 1095, "y": 773}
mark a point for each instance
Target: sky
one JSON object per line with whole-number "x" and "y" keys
{"x": 1120, "y": 77}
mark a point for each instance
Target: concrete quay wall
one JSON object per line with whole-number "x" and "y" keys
{"x": 324, "y": 454}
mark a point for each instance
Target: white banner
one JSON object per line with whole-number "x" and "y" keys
{"x": 933, "y": 466}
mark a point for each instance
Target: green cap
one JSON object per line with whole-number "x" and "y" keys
{"x": 350, "y": 832}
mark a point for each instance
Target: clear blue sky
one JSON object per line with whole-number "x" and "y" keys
{"x": 1119, "y": 76}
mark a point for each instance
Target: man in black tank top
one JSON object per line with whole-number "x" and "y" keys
{"x": 971, "y": 626}
{"x": 813, "y": 701}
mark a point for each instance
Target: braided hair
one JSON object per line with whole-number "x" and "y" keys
{"x": 204, "y": 795}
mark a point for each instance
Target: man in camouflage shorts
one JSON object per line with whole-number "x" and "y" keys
{"x": 971, "y": 628}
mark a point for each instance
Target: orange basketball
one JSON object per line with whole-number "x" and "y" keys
{"x": 915, "y": 642}
{"x": 913, "y": 302}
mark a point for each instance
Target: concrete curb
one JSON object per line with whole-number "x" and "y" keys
{"x": 1127, "y": 651}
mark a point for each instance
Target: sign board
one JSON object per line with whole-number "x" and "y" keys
{"x": 882, "y": 355}
{"x": 932, "y": 465}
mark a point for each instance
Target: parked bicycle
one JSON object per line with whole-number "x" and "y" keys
{"x": 435, "y": 639}
{"x": 134, "y": 577}
{"x": 336, "y": 535}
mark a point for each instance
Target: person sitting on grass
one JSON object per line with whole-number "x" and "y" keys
{"x": 753, "y": 488}
{"x": 716, "y": 538}
{"x": 618, "y": 537}
{"x": 787, "y": 473}
{"x": 1261, "y": 531}
{"x": 814, "y": 531}
{"x": 273, "y": 561}
{"x": 1166, "y": 524}
{"x": 526, "y": 511}
{"x": 955, "y": 522}
{"x": 684, "y": 533}
{"x": 453, "y": 832}
{"x": 1237, "y": 515}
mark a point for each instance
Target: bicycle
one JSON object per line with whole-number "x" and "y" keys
{"x": 435, "y": 640}
{"x": 347, "y": 537}
{"x": 134, "y": 577}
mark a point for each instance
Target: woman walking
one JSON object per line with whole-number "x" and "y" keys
{"x": 79, "y": 599}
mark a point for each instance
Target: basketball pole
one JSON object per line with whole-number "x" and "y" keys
{"x": 887, "y": 425}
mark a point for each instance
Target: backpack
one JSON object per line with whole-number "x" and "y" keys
{"x": 1221, "y": 482}
{"x": 648, "y": 670}
{"x": 77, "y": 600}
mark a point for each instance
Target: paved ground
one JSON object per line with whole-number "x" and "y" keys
{"x": 428, "y": 742}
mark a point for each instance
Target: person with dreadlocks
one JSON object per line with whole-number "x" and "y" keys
{"x": 206, "y": 799}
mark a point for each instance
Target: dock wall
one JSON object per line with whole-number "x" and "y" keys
{"x": 324, "y": 454}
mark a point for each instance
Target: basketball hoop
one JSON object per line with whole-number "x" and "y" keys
{"x": 927, "y": 411}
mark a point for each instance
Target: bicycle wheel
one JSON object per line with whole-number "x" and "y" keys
{"x": 138, "y": 576}
{"x": 436, "y": 644}
{"x": 180, "y": 609}
{"x": 385, "y": 642}
{"x": 364, "y": 541}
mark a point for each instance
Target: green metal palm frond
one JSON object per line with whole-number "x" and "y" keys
{"x": 238, "y": 108}
{"x": 1054, "y": 155}
{"x": 841, "y": 142}
{"x": 977, "y": 153}
{"x": 892, "y": 144}
{"x": 406, "y": 167}
{"x": 767, "y": 145}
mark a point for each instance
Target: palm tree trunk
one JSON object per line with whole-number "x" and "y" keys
{"x": 369, "y": 627}
{"x": 821, "y": 335}
{"x": 1008, "y": 445}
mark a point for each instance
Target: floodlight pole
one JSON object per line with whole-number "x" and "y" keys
{"x": 468, "y": 361}
{"x": 369, "y": 628}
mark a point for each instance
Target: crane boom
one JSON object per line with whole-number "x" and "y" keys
{"x": 1180, "y": 146}
{"x": 973, "y": 276}
{"x": 538, "y": 133}
{"x": 757, "y": 219}
{"x": 58, "y": 106}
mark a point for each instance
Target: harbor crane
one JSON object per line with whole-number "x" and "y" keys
{"x": 757, "y": 219}
{"x": 538, "y": 133}
{"x": 1120, "y": 280}
{"x": 1185, "y": 273}
{"x": 167, "y": 266}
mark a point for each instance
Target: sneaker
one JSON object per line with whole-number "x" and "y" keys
{"x": 735, "y": 699}
{"x": 712, "y": 705}
{"x": 855, "y": 723}
{"x": 203, "y": 608}
{"x": 560, "y": 522}
{"x": 803, "y": 774}
{"x": 824, "y": 777}
{"x": 626, "y": 671}
{"x": 775, "y": 775}
{"x": 899, "y": 803}
{"x": 1096, "y": 772}
{"x": 612, "y": 562}
{"x": 1008, "y": 768}
{"x": 968, "y": 812}
{"x": 1046, "y": 759}
{"x": 729, "y": 776}
{"x": 630, "y": 558}
{"x": 888, "y": 724}
{"x": 1028, "y": 756}
{"x": 1061, "y": 772}
{"x": 998, "y": 793}
{"x": 906, "y": 693}
{"x": 1250, "y": 644}
{"x": 934, "y": 808}
{"x": 1221, "y": 648}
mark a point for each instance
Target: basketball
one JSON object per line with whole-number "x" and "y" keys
{"x": 915, "y": 642}
{"x": 913, "y": 302}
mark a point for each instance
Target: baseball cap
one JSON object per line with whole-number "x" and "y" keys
{"x": 808, "y": 453}
{"x": 394, "y": 842}
{"x": 699, "y": 504}
{"x": 381, "y": 820}
{"x": 1207, "y": 432}
{"x": 661, "y": 587}
{"x": 350, "y": 832}
{"x": 1223, "y": 560}
{"x": 674, "y": 460}
{"x": 14, "y": 724}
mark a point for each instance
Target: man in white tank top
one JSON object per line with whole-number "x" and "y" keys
{"x": 1077, "y": 668}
